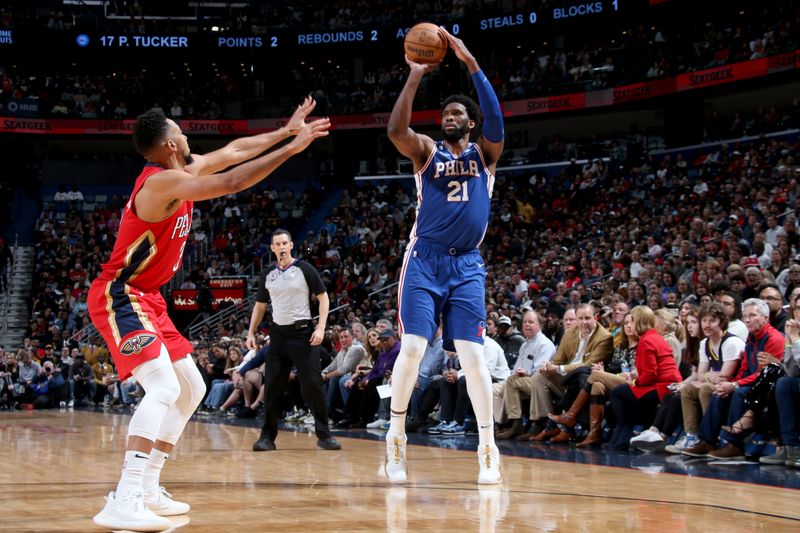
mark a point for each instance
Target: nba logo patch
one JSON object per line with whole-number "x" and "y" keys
{"x": 481, "y": 327}
{"x": 137, "y": 343}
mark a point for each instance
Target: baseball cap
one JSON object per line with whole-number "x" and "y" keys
{"x": 388, "y": 333}
{"x": 504, "y": 321}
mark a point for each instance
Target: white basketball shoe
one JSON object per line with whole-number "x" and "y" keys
{"x": 160, "y": 502}
{"x": 489, "y": 461}
{"x": 129, "y": 512}
{"x": 395, "y": 465}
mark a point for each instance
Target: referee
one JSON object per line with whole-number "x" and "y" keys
{"x": 289, "y": 284}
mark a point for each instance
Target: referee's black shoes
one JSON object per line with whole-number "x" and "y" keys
{"x": 326, "y": 444}
{"x": 264, "y": 445}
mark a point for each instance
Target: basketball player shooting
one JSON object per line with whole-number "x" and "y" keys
{"x": 128, "y": 310}
{"x": 443, "y": 273}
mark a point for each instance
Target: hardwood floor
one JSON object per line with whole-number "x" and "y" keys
{"x": 56, "y": 467}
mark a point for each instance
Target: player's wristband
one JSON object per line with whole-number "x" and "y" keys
{"x": 490, "y": 107}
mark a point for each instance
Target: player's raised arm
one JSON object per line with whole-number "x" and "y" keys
{"x": 247, "y": 148}
{"x": 178, "y": 184}
{"x": 491, "y": 142}
{"x": 411, "y": 144}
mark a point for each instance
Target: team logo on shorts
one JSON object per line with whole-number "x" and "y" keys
{"x": 481, "y": 327}
{"x": 136, "y": 344}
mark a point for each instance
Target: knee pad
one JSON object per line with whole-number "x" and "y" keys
{"x": 193, "y": 388}
{"x": 158, "y": 379}
{"x": 161, "y": 392}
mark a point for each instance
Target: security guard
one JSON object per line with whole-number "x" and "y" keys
{"x": 289, "y": 284}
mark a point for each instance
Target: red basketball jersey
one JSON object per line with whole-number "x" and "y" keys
{"x": 147, "y": 254}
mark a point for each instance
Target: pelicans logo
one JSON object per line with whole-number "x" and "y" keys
{"x": 136, "y": 344}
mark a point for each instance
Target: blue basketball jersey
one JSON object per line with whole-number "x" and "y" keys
{"x": 453, "y": 198}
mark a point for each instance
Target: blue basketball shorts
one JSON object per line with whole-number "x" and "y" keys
{"x": 436, "y": 281}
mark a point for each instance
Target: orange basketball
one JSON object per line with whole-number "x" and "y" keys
{"x": 425, "y": 43}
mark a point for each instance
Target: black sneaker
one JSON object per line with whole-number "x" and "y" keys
{"x": 264, "y": 445}
{"x": 246, "y": 412}
{"x": 328, "y": 444}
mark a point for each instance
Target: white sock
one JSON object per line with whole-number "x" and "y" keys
{"x": 479, "y": 387}
{"x": 152, "y": 471}
{"x": 397, "y": 423}
{"x": 132, "y": 478}
{"x": 404, "y": 376}
{"x": 485, "y": 433}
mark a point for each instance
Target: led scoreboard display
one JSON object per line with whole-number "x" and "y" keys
{"x": 537, "y": 17}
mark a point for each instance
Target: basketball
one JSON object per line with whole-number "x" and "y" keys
{"x": 425, "y": 43}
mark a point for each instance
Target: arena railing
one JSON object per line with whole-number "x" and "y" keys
{"x": 7, "y": 290}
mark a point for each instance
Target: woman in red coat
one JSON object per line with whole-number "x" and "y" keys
{"x": 636, "y": 401}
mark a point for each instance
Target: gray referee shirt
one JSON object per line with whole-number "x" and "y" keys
{"x": 290, "y": 291}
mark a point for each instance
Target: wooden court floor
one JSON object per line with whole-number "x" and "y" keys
{"x": 56, "y": 467}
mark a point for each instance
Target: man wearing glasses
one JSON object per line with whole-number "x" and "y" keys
{"x": 770, "y": 293}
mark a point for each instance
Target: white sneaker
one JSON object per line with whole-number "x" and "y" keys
{"x": 489, "y": 461}
{"x": 395, "y": 466}
{"x": 71, "y": 404}
{"x": 129, "y": 512}
{"x": 377, "y": 424}
{"x": 648, "y": 440}
{"x": 687, "y": 440}
{"x": 308, "y": 420}
{"x": 160, "y": 502}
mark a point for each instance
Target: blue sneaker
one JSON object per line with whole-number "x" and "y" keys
{"x": 437, "y": 429}
{"x": 686, "y": 441}
{"x": 452, "y": 429}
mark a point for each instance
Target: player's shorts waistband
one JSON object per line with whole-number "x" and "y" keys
{"x": 443, "y": 248}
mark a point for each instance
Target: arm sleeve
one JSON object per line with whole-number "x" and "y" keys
{"x": 776, "y": 344}
{"x": 313, "y": 279}
{"x": 490, "y": 107}
{"x": 791, "y": 359}
{"x": 647, "y": 364}
{"x": 263, "y": 294}
{"x": 331, "y": 366}
{"x": 351, "y": 359}
{"x": 255, "y": 362}
{"x": 775, "y": 347}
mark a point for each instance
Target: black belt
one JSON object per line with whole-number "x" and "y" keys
{"x": 300, "y": 324}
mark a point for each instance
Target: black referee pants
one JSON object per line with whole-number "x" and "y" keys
{"x": 290, "y": 347}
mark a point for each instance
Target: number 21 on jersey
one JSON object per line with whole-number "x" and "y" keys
{"x": 458, "y": 191}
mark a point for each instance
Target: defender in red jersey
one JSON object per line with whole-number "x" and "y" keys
{"x": 127, "y": 308}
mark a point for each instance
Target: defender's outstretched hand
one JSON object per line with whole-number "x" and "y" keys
{"x": 308, "y": 133}
{"x": 298, "y": 118}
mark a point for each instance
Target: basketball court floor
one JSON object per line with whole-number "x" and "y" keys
{"x": 55, "y": 468}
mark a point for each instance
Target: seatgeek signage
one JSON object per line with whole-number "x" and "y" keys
{"x": 532, "y": 106}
